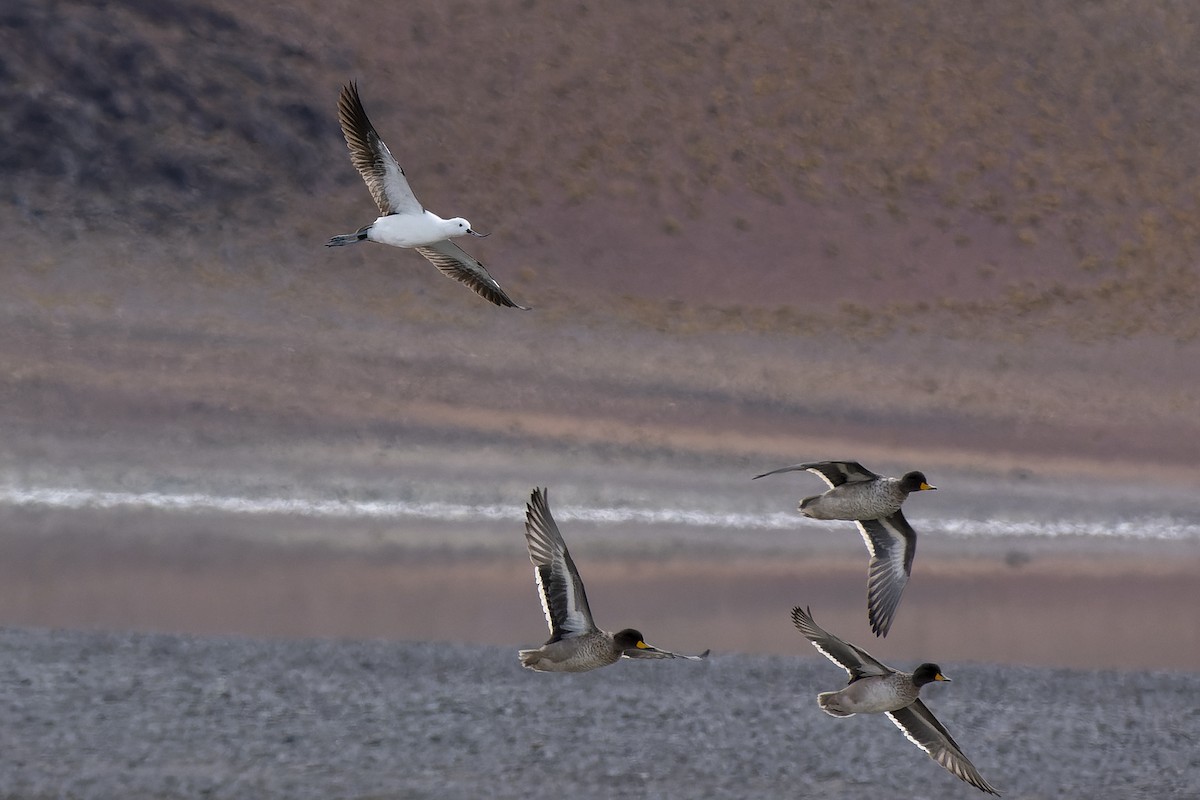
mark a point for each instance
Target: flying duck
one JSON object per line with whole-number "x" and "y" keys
{"x": 876, "y": 688}
{"x": 873, "y": 503}
{"x": 575, "y": 643}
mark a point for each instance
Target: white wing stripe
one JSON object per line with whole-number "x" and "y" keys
{"x": 822, "y": 476}
{"x": 537, "y": 575}
{"x": 866, "y": 538}
{"x": 908, "y": 735}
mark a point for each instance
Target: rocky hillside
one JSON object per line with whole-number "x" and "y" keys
{"x": 994, "y": 162}
{"x": 153, "y": 114}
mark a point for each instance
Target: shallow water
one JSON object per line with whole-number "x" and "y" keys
{"x": 692, "y": 551}
{"x": 970, "y": 507}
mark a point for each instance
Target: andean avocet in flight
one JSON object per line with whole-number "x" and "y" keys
{"x": 404, "y": 222}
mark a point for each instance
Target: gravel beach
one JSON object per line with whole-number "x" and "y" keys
{"x": 100, "y": 715}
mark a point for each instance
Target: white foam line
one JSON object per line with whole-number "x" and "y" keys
{"x": 1163, "y": 528}
{"x": 75, "y": 498}
{"x": 100, "y": 500}
{"x": 373, "y": 509}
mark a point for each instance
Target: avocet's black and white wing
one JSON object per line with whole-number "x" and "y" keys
{"x": 454, "y": 262}
{"x": 371, "y": 157}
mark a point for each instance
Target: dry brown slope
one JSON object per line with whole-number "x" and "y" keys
{"x": 996, "y": 160}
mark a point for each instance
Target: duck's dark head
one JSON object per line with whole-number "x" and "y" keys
{"x": 630, "y": 639}
{"x": 915, "y": 482}
{"x": 928, "y": 673}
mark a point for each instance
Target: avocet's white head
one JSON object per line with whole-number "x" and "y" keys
{"x": 459, "y": 227}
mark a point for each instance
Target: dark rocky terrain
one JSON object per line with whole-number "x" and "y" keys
{"x": 145, "y": 118}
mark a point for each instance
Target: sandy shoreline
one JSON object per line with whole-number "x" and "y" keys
{"x": 369, "y": 404}
{"x": 610, "y": 415}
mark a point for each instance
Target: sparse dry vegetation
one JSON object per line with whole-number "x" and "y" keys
{"x": 1071, "y": 126}
{"x": 821, "y": 175}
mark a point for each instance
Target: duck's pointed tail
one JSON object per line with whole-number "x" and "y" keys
{"x": 828, "y": 701}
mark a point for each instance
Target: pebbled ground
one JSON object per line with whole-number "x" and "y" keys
{"x": 90, "y": 715}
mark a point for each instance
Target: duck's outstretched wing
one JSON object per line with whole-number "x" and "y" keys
{"x": 563, "y": 598}
{"x": 834, "y": 473}
{"x": 892, "y": 543}
{"x": 923, "y": 729}
{"x": 856, "y": 661}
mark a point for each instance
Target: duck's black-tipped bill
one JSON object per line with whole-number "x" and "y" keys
{"x": 643, "y": 650}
